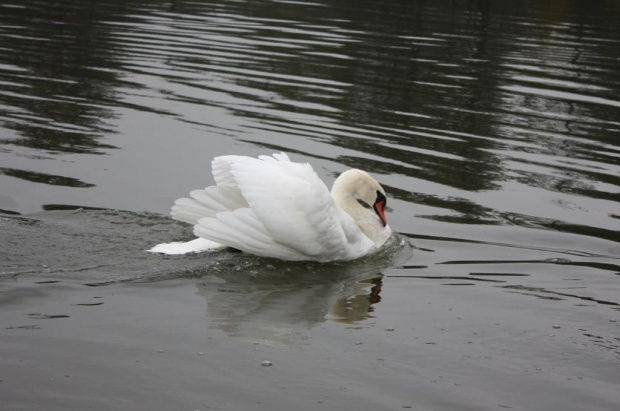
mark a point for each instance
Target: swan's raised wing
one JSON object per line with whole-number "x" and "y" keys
{"x": 290, "y": 215}
{"x": 293, "y": 204}
{"x": 207, "y": 203}
{"x": 225, "y": 196}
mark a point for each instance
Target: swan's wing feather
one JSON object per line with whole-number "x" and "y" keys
{"x": 207, "y": 203}
{"x": 276, "y": 157}
{"x": 220, "y": 198}
{"x": 224, "y": 196}
{"x": 221, "y": 167}
{"x": 188, "y": 210}
{"x": 242, "y": 229}
{"x": 294, "y": 205}
{"x": 282, "y": 157}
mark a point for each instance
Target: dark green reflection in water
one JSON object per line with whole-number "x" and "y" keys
{"x": 468, "y": 96}
{"x": 59, "y": 74}
{"x": 44, "y": 178}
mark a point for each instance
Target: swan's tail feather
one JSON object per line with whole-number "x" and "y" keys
{"x": 197, "y": 245}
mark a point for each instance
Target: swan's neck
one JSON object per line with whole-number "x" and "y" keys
{"x": 344, "y": 193}
{"x": 347, "y": 202}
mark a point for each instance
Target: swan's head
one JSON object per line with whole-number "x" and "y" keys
{"x": 358, "y": 183}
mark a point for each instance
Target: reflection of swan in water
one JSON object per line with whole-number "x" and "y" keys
{"x": 280, "y": 312}
{"x": 358, "y": 304}
{"x": 270, "y": 300}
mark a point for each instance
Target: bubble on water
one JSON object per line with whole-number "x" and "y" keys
{"x": 358, "y": 343}
{"x": 201, "y": 353}
{"x": 266, "y": 363}
{"x": 160, "y": 351}
{"x": 390, "y": 329}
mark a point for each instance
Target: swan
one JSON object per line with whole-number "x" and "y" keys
{"x": 270, "y": 206}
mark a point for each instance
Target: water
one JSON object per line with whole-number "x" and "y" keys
{"x": 493, "y": 127}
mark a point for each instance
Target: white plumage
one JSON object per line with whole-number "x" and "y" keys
{"x": 270, "y": 206}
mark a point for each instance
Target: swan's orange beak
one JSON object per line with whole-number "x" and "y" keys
{"x": 379, "y": 207}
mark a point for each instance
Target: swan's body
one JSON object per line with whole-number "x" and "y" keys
{"x": 272, "y": 207}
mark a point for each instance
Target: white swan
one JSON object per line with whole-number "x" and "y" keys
{"x": 272, "y": 207}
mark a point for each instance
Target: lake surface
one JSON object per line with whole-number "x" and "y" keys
{"x": 493, "y": 126}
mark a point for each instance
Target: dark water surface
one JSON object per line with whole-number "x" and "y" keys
{"x": 493, "y": 126}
